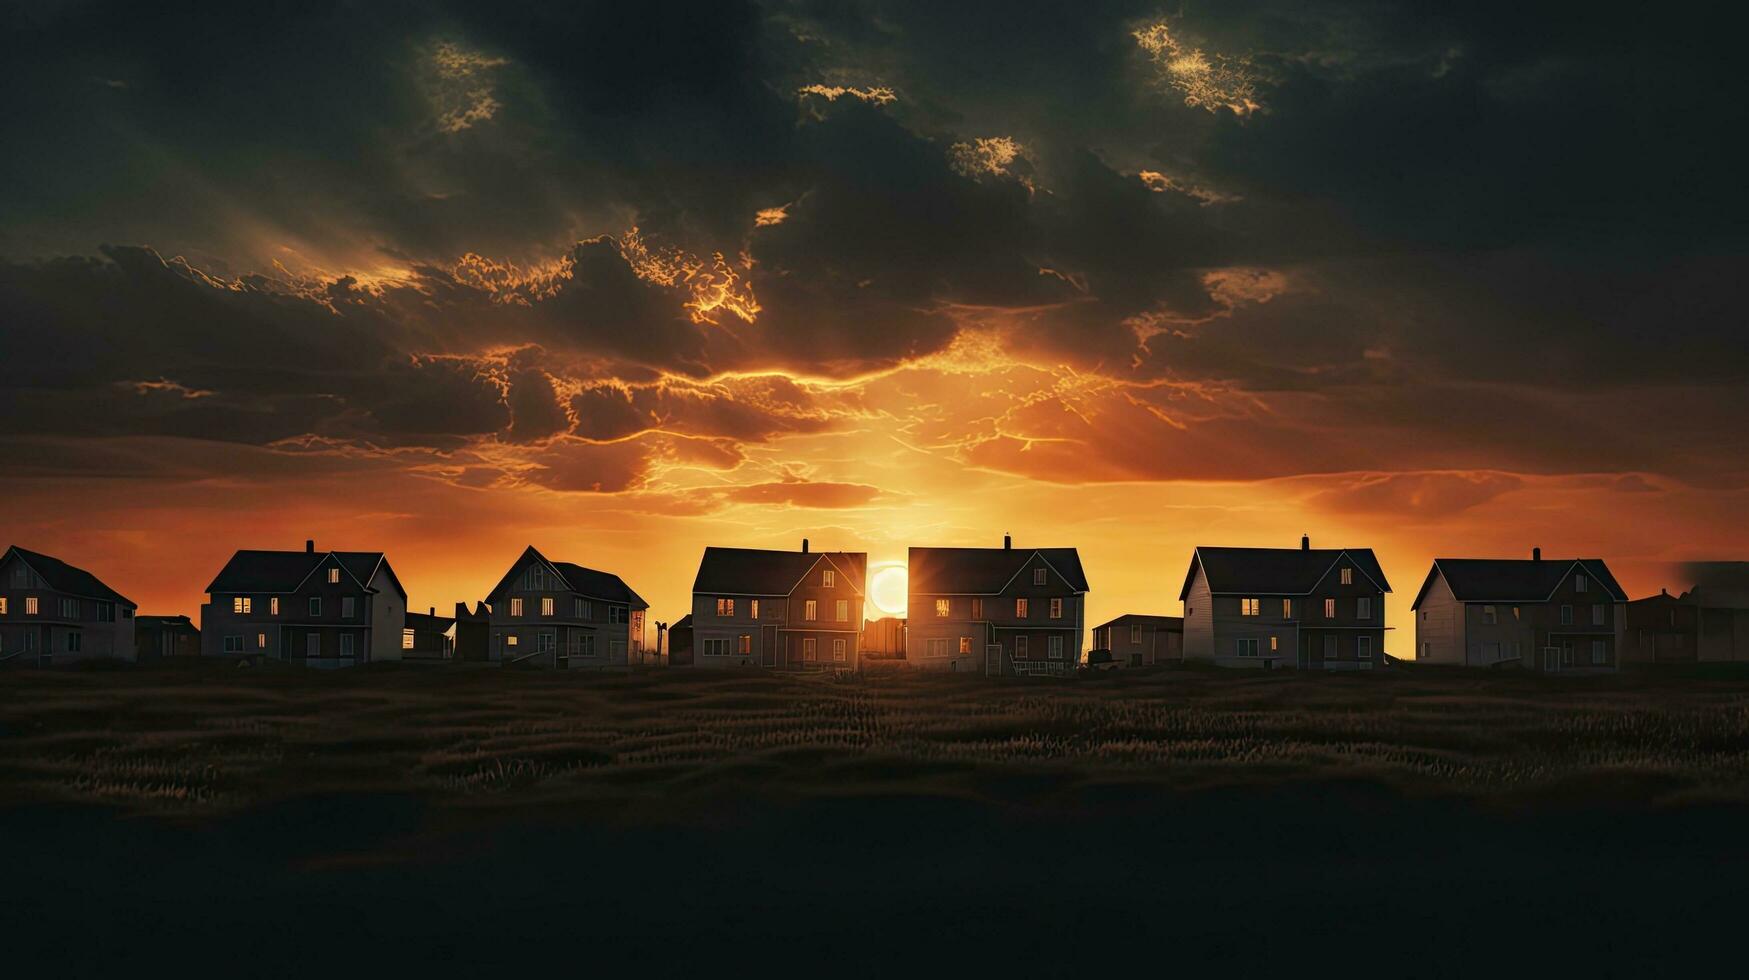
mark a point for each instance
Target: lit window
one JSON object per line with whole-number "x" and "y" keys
{"x": 546, "y": 605}
{"x": 1020, "y": 648}
{"x": 1020, "y": 609}
{"x": 1038, "y": 576}
{"x": 1488, "y": 616}
{"x": 1274, "y": 644}
{"x": 843, "y": 610}
{"x": 240, "y": 604}
{"x": 753, "y": 608}
{"x": 744, "y": 644}
{"x": 1363, "y": 647}
{"x": 965, "y": 644}
{"x": 977, "y": 609}
{"x": 1329, "y": 608}
{"x": 942, "y": 606}
{"x": 273, "y": 606}
{"x": 725, "y": 607}
{"x": 515, "y": 607}
{"x": 810, "y": 610}
{"x": 510, "y": 640}
{"x": 333, "y": 576}
{"x": 1135, "y": 633}
{"x": 1287, "y": 609}
{"x": 1348, "y": 576}
{"x": 828, "y": 579}
{"x": 1056, "y": 609}
{"x": 406, "y": 639}
{"x": 2, "y": 605}
{"x": 1363, "y": 607}
{"x": 1250, "y": 607}
{"x": 1054, "y": 648}
{"x": 261, "y": 641}
{"x": 838, "y": 650}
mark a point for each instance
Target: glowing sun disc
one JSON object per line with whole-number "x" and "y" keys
{"x": 886, "y": 590}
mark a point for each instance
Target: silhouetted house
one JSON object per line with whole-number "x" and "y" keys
{"x": 884, "y": 638}
{"x": 309, "y": 607}
{"x": 680, "y": 642}
{"x": 998, "y": 611}
{"x": 793, "y": 610}
{"x": 1305, "y": 607}
{"x": 1139, "y": 641}
{"x": 473, "y": 633}
{"x": 1565, "y": 614}
{"x": 158, "y": 637}
{"x": 54, "y": 613}
{"x": 556, "y": 614}
{"x": 428, "y": 636}
{"x": 1695, "y": 627}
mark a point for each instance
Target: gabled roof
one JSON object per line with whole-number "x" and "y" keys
{"x": 984, "y": 571}
{"x": 70, "y": 579}
{"x": 285, "y": 571}
{"x": 1514, "y": 579}
{"x": 757, "y": 571}
{"x": 586, "y": 582}
{"x": 683, "y": 623}
{"x": 1128, "y": 619}
{"x": 427, "y": 623}
{"x": 1276, "y": 571}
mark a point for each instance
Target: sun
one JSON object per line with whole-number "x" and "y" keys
{"x": 886, "y": 590}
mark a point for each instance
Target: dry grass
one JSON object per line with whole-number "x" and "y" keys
{"x": 211, "y": 738}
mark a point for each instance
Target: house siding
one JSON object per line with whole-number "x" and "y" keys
{"x": 44, "y": 638}
{"x": 1439, "y": 625}
{"x": 1000, "y": 625}
{"x": 601, "y": 637}
{"x": 1199, "y": 619}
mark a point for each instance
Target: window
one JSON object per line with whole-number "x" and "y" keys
{"x": 716, "y": 647}
{"x": 744, "y": 644}
{"x": 1247, "y": 647}
{"x": 1020, "y": 609}
{"x": 1363, "y": 647}
{"x": 1599, "y": 652}
{"x": 74, "y": 642}
{"x": 406, "y": 639}
{"x": 1056, "y": 609}
{"x": 753, "y": 608}
{"x": 313, "y": 644}
{"x": 2, "y": 605}
{"x": 1250, "y": 607}
{"x": 106, "y": 612}
{"x": 546, "y": 605}
{"x": 977, "y": 609}
{"x": 346, "y": 644}
{"x": 965, "y": 644}
{"x": 1363, "y": 607}
{"x": 333, "y": 576}
{"x": 1566, "y": 615}
{"x": 1579, "y": 583}
{"x": 1517, "y": 613}
{"x": 828, "y": 579}
{"x": 1426, "y": 651}
{"x": 1348, "y": 576}
{"x": 1020, "y": 648}
{"x": 261, "y": 641}
{"x": 273, "y": 606}
{"x": 1135, "y": 633}
{"x": 234, "y": 644}
{"x": 838, "y": 650}
{"x": 579, "y": 608}
{"x": 1054, "y": 648}
{"x": 1329, "y": 608}
{"x": 315, "y": 605}
{"x": 240, "y": 604}
{"x": 725, "y": 607}
{"x": 942, "y": 607}
{"x": 1488, "y": 616}
{"x": 582, "y": 644}
{"x": 69, "y": 608}
{"x": 1567, "y": 656}
{"x": 1597, "y": 614}
{"x": 1287, "y": 609}
{"x": 616, "y": 614}
{"x": 808, "y": 653}
{"x": 510, "y": 640}
{"x": 1038, "y": 576}
{"x": 348, "y": 607}
{"x": 30, "y": 605}
{"x": 810, "y": 610}
{"x": 515, "y": 606}
{"x": 935, "y": 647}
{"x": 1274, "y": 644}
{"x": 843, "y": 610}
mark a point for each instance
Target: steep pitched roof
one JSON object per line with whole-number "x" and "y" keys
{"x": 70, "y": 579}
{"x": 1276, "y": 571}
{"x": 285, "y": 571}
{"x": 984, "y": 571}
{"x": 757, "y": 571}
{"x": 589, "y": 582}
{"x": 1170, "y": 622}
{"x": 1514, "y": 579}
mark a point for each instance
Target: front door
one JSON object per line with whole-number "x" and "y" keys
{"x": 993, "y": 659}
{"x": 768, "y": 647}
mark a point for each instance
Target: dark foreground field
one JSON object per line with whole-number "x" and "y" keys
{"x": 277, "y": 822}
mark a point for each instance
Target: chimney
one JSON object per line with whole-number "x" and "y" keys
{"x": 804, "y": 546}
{"x": 1664, "y": 592}
{"x": 1007, "y": 542}
{"x": 1536, "y": 554}
{"x": 433, "y": 610}
{"x": 309, "y": 546}
{"x": 1305, "y": 542}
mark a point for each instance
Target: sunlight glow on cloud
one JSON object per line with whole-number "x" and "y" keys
{"x": 766, "y": 217}
{"x": 461, "y": 87}
{"x": 1160, "y": 183}
{"x": 988, "y": 157}
{"x": 876, "y": 95}
{"x": 1206, "y": 80}
{"x": 714, "y": 285}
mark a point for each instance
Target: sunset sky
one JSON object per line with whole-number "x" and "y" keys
{"x": 624, "y": 280}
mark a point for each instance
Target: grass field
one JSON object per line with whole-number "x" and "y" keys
{"x": 209, "y": 738}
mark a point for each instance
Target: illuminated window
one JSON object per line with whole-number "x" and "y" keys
{"x": 1135, "y": 633}
{"x": 1274, "y": 644}
{"x": 261, "y": 641}
{"x": 1250, "y": 607}
{"x": 942, "y": 606}
{"x": 828, "y": 579}
{"x": 510, "y": 640}
{"x": 744, "y": 644}
{"x": 273, "y": 606}
{"x": 1348, "y": 576}
{"x": 965, "y": 644}
{"x": 725, "y": 607}
{"x": 1363, "y": 607}
{"x": 1054, "y": 648}
{"x": 808, "y": 648}
{"x": 810, "y": 610}
{"x": 1020, "y": 648}
{"x": 1488, "y": 616}
{"x": 546, "y": 605}
{"x": 753, "y": 608}
{"x": 515, "y": 607}
{"x": 1363, "y": 647}
{"x": 977, "y": 609}
{"x": 1329, "y": 608}
{"x": 1038, "y": 576}
{"x": 333, "y": 576}
{"x": 838, "y": 650}
{"x": 1056, "y": 609}
{"x": 406, "y": 639}
{"x": 1287, "y": 609}
{"x": 843, "y": 610}
{"x": 240, "y": 604}
{"x": 2, "y": 605}
{"x": 1020, "y": 609}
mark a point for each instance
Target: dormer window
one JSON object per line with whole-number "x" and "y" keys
{"x": 1347, "y": 576}
{"x": 1038, "y": 576}
{"x": 333, "y": 576}
{"x": 829, "y": 579}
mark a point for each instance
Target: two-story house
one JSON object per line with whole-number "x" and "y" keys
{"x": 998, "y": 611}
{"x": 1307, "y": 608}
{"x": 1136, "y": 640}
{"x": 557, "y": 614}
{"x": 789, "y": 610}
{"x": 312, "y": 608}
{"x": 159, "y": 637}
{"x": 55, "y": 613}
{"x": 1557, "y": 615}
